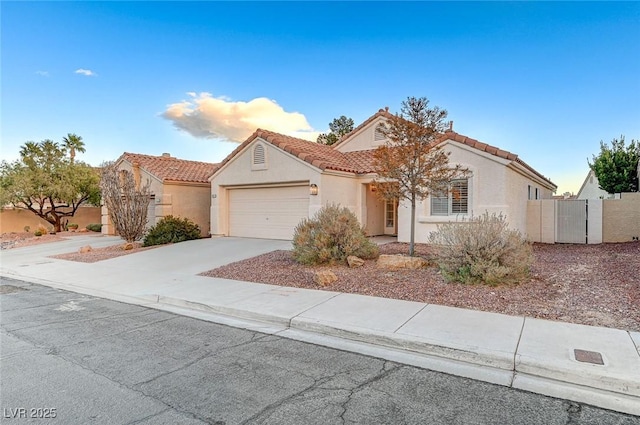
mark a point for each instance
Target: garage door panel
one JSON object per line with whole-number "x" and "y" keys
{"x": 270, "y": 212}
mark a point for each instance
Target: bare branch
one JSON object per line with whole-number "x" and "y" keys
{"x": 126, "y": 203}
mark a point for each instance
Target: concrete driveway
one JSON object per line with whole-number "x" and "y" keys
{"x": 193, "y": 257}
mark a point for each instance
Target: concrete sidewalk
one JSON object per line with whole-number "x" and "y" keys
{"x": 551, "y": 358}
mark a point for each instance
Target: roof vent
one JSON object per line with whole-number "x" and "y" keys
{"x": 166, "y": 155}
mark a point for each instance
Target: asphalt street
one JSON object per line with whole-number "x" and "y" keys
{"x": 73, "y": 359}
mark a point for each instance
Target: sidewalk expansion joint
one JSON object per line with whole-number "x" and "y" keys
{"x": 634, "y": 343}
{"x": 312, "y": 307}
{"x": 515, "y": 352}
{"x": 409, "y": 319}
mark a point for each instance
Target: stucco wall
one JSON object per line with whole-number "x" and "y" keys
{"x": 281, "y": 167}
{"x": 487, "y": 192}
{"x": 344, "y": 191}
{"x": 541, "y": 221}
{"x": 517, "y": 191}
{"x": 363, "y": 140}
{"x": 591, "y": 189}
{"x": 494, "y": 187}
{"x": 14, "y": 220}
{"x": 621, "y": 218}
{"x": 192, "y": 202}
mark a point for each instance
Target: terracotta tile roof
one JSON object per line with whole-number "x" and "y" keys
{"x": 359, "y": 162}
{"x": 452, "y": 135}
{"x": 321, "y": 156}
{"x": 168, "y": 168}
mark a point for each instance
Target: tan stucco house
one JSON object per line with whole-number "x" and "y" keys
{"x": 179, "y": 187}
{"x": 272, "y": 181}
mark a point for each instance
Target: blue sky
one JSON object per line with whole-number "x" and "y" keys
{"x": 545, "y": 80}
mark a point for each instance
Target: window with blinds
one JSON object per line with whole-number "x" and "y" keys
{"x": 455, "y": 201}
{"x": 459, "y": 196}
{"x": 440, "y": 204}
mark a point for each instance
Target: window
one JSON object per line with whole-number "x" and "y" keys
{"x": 529, "y": 192}
{"x": 455, "y": 201}
{"x": 259, "y": 158}
{"x": 390, "y": 213}
{"x": 537, "y": 193}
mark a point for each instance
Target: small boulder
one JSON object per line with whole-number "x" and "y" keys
{"x": 324, "y": 277}
{"x": 397, "y": 262}
{"x": 128, "y": 246}
{"x": 85, "y": 249}
{"x": 354, "y": 261}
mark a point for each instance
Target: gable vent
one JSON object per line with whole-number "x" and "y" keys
{"x": 379, "y": 135}
{"x": 258, "y": 155}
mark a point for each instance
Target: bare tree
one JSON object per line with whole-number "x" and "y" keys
{"x": 126, "y": 200}
{"x": 412, "y": 165}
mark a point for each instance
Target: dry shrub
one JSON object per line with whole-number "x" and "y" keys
{"x": 482, "y": 250}
{"x": 331, "y": 236}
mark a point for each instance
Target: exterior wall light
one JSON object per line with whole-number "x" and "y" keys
{"x": 313, "y": 189}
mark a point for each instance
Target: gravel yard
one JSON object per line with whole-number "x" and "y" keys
{"x": 589, "y": 284}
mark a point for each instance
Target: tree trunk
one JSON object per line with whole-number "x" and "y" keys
{"x": 413, "y": 227}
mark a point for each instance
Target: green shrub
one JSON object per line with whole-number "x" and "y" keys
{"x": 331, "y": 236}
{"x": 27, "y": 229}
{"x": 94, "y": 227}
{"x": 37, "y": 233}
{"x": 482, "y": 250}
{"x": 171, "y": 229}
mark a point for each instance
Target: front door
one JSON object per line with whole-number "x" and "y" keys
{"x": 391, "y": 217}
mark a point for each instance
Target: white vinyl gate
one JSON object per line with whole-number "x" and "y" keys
{"x": 572, "y": 221}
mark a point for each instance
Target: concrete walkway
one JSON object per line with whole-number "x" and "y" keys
{"x": 552, "y": 358}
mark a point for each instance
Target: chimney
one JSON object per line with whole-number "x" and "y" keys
{"x": 166, "y": 155}
{"x": 450, "y": 126}
{"x": 386, "y": 109}
{"x": 136, "y": 174}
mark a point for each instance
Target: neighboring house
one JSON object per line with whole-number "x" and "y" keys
{"x": 272, "y": 181}
{"x": 590, "y": 188}
{"x": 179, "y": 187}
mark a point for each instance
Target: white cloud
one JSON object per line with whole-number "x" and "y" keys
{"x": 42, "y": 73}
{"x": 87, "y": 72}
{"x": 205, "y": 116}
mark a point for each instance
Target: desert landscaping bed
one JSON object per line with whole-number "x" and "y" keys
{"x": 588, "y": 284}
{"x": 20, "y": 239}
{"x": 98, "y": 254}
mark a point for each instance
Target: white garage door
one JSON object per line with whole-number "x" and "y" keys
{"x": 269, "y": 212}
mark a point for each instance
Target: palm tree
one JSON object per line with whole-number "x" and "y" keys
{"x": 73, "y": 143}
{"x": 28, "y": 149}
